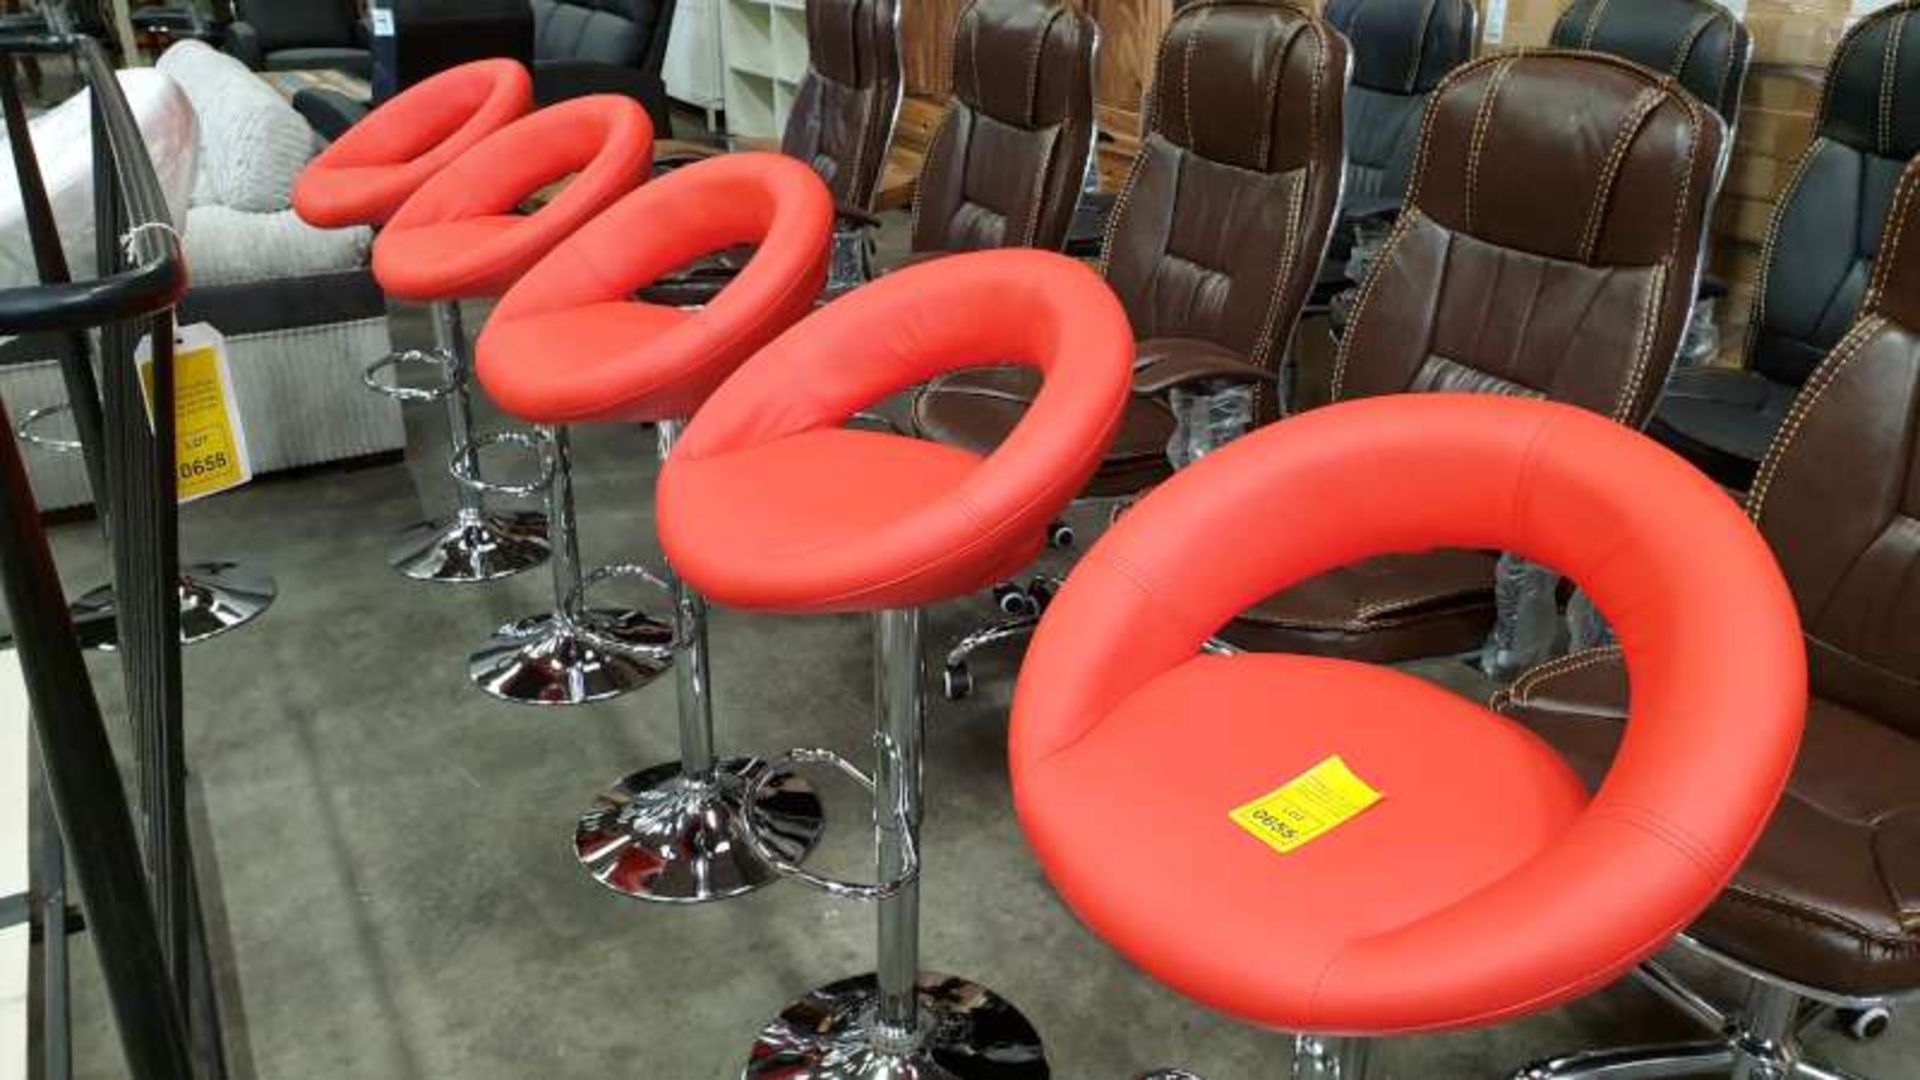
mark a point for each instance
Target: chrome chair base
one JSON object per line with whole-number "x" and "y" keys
{"x": 472, "y": 549}
{"x": 215, "y": 597}
{"x": 663, "y": 836}
{"x": 552, "y": 660}
{"x": 1715, "y": 1058}
{"x": 966, "y": 1032}
{"x": 1759, "y": 1041}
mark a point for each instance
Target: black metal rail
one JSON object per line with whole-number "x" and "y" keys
{"x": 135, "y": 871}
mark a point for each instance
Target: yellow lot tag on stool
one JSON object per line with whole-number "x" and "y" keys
{"x": 1311, "y": 805}
{"x": 210, "y": 441}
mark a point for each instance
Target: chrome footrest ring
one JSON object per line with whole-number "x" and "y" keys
{"x": 788, "y": 763}
{"x": 438, "y": 359}
{"x": 576, "y": 610}
{"x": 464, "y": 468}
{"x": 26, "y": 433}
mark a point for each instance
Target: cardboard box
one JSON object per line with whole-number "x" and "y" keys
{"x": 1756, "y": 176}
{"x": 1785, "y": 89}
{"x": 1742, "y": 219}
{"x": 1794, "y": 39}
{"x": 1518, "y": 24}
{"x": 1774, "y": 134}
{"x": 1736, "y": 263}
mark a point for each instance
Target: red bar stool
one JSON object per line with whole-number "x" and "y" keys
{"x": 463, "y": 236}
{"x": 770, "y": 504}
{"x": 570, "y": 345}
{"x": 364, "y": 178}
{"x": 1484, "y": 885}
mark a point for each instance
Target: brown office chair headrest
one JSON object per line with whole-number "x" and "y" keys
{"x": 1217, "y": 56}
{"x": 841, "y": 35}
{"x": 1019, "y": 61}
{"x": 1569, "y": 155}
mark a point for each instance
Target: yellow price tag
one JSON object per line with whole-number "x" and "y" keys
{"x": 1308, "y": 807}
{"x": 210, "y": 443}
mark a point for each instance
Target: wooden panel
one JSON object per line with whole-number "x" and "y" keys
{"x": 1130, "y": 32}
{"x": 927, "y": 34}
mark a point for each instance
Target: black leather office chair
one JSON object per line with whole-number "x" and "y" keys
{"x": 430, "y": 36}
{"x": 1819, "y": 252}
{"x": 1698, "y": 42}
{"x": 583, "y": 47}
{"x": 1401, "y": 51}
{"x": 294, "y": 35}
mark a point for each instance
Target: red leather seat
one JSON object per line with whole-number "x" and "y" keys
{"x": 770, "y": 504}
{"x": 460, "y": 236}
{"x": 365, "y": 176}
{"x": 568, "y": 344}
{"x": 1485, "y": 885}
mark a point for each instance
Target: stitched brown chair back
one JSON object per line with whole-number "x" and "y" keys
{"x": 1551, "y": 243}
{"x": 1839, "y": 493}
{"x": 1699, "y": 42}
{"x": 1006, "y": 166}
{"x": 843, "y": 116}
{"x": 1220, "y": 229}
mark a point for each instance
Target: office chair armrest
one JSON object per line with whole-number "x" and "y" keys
{"x": 1164, "y": 364}
{"x": 243, "y": 44}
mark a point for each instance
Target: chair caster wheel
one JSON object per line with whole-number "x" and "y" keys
{"x": 1866, "y": 1025}
{"x": 957, "y": 682}
{"x": 1060, "y": 537}
{"x": 1014, "y": 601}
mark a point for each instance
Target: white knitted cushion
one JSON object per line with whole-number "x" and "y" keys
{"x": 231, "y": 247}
{"x": 252, "y": 143}
{"x": 63, "y": 144}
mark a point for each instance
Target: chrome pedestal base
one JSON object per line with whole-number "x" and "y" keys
{"x": 550, "y": 660}
{"x": 1757, "y": 1042}
{"x": 663, "y": 836}
{"x": 215, "y": 597}
{"x": 965, "y": 1032}
{"x": 1716, "y": 1058}
{"x": 472, "y": 549}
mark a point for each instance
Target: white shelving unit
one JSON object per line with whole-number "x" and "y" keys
{"x": 765, "y": 45}
{"x": 695, "y": 70}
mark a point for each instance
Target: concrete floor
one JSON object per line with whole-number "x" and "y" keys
{"x": 389, "y": 851}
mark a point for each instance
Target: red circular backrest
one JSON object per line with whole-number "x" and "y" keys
{"x": 773, "y": 202}
{"x": 364, "y": 176}
{"x": 1032, "y": 308}
{"x": 1708, "y": 628}
{"x": 431, "y": 249}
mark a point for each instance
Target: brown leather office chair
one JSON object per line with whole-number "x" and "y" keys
{"x": 841, "y": 124}
{"x": 1006, "y": 166}
{"x": 1827, "y": 909}
{"x": 843, "y": 116}
{"x": 1215, "y": 241}
{"x": 1550, "y": 248}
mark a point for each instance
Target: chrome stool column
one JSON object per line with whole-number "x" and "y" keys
{"x": 215, "y": 597}
{"x": 680, "y": 833}
{"x": 573, "y": 655}
{"x": 477, "y": 544}
{"x": 898, "y": 1022}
